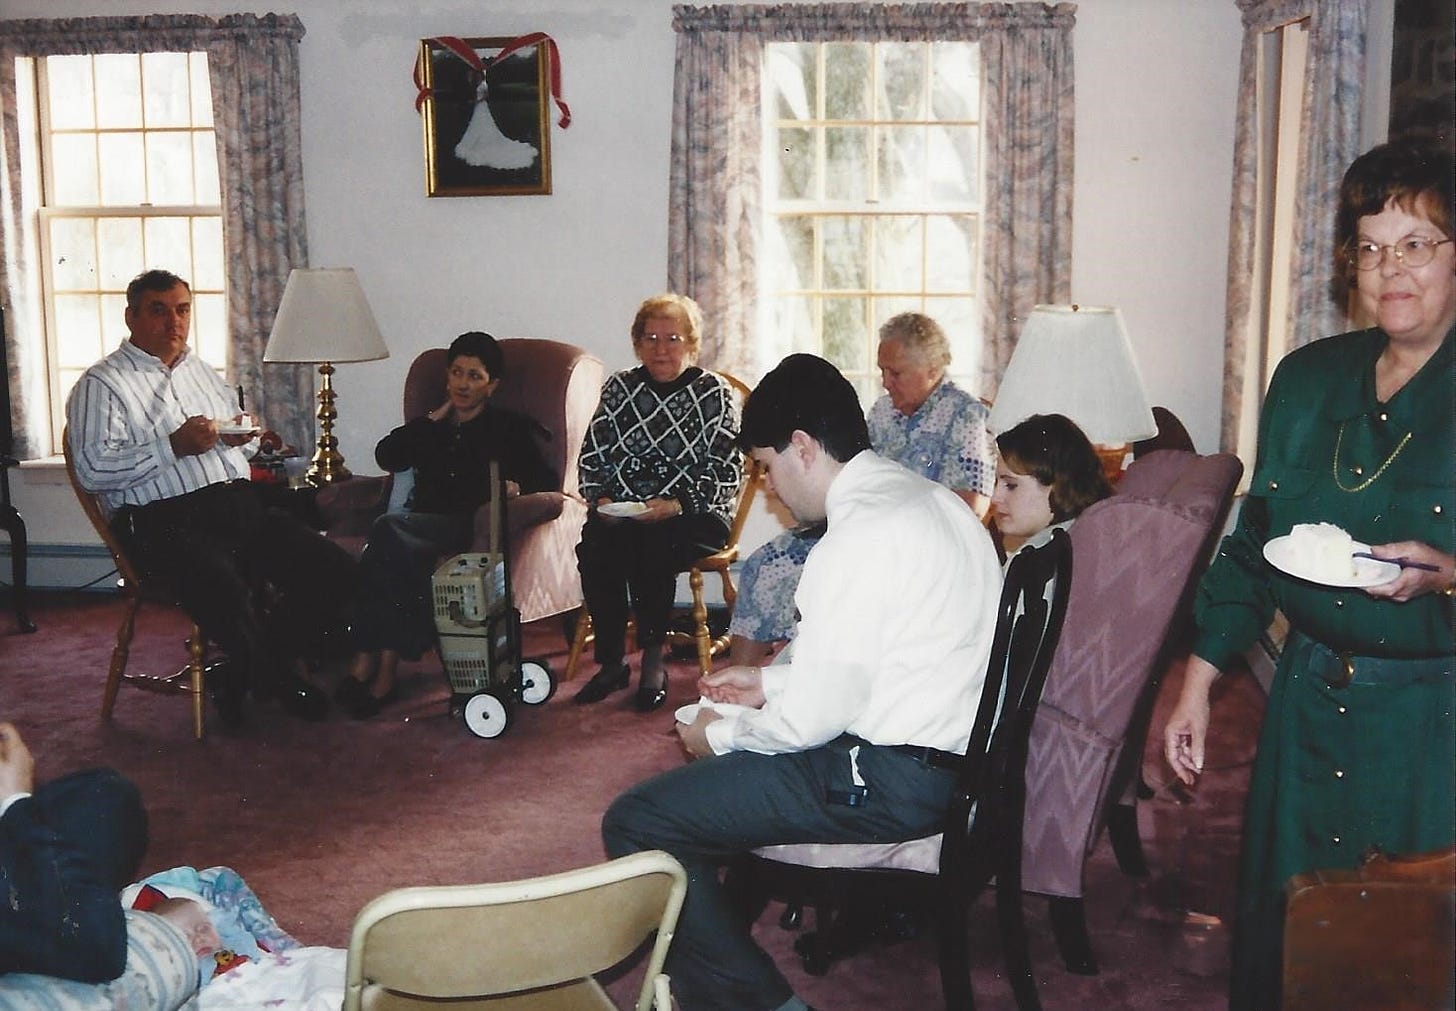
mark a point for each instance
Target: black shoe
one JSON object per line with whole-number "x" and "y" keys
{"x": 650, "y": 699}
{"x": 612, "y": 677}
{"x": 368, "y": 705}
{"x": 350, "y": 691}
{"x": 297, "y": 696}
{"x": 227, "y": 691}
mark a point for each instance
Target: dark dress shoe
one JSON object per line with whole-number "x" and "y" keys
{"x": 350, "y": 691}
{"x": 297, "y": 696}
{"x": 368, "y": 705}
{"x": 227, "y": 691}
{"x": 612, "y": 677}
{"x": 650, "y": 699}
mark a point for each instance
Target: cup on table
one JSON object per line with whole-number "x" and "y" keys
{"x": 296, "y": 467}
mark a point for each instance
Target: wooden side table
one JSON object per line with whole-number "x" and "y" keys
{"x": 301, "y": 502}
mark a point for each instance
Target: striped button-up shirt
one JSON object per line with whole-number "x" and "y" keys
{"x": 120, "y": 417}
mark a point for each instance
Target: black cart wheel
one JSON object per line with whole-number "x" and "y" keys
{"x": 487, "y": 715}
{"x": 537, "y": 682}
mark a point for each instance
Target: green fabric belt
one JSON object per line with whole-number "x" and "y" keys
{"x": 1342, "y": 669}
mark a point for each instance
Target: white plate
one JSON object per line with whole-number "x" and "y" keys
{"x": 689, "y": 712}
{"x": 1368, "y": 571}
{"x": 621, "y": 509}
{"x": 236, "y": 429}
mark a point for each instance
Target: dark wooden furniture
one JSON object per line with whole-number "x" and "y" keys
{"x": 981, "y": 834}
{"x": 12, "y": 523}
{"x": 10, "y": 519}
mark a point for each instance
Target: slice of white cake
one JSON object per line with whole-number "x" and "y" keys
{"x": 1325, "y": 552}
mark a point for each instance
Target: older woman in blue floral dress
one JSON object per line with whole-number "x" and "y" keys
{"x": 924, "y": 422}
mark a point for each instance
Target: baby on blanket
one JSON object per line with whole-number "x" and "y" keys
{"x": 216, "y": 911}
{"x": 244, "y": 959}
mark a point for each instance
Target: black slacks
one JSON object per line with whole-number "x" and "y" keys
{"x": 263, "y": 586}
{"x": 622, "y": 558}
{"x": 396, "y": 608}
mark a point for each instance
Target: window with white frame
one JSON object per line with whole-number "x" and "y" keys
{"x": 872, "y": 199}
{"x": 126, "y": 164}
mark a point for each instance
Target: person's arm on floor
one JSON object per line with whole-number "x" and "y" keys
{"x": 58, "y": 916}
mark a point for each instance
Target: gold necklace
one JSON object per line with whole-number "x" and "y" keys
{"x": 1335, "y": 465}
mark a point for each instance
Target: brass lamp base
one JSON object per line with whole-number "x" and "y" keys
{"x": 328, "y": 463}
{"x": 1112, "y": 458}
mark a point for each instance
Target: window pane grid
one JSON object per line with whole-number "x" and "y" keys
{"x": 129, "y": 182}
{"x": 872, "y": 199}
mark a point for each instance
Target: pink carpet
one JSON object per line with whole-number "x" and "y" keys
{"x": 320, "y": 818}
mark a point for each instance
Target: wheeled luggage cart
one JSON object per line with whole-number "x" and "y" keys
{"x": 480, "y": 634}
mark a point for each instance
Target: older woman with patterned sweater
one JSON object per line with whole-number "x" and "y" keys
{"x": 661, "y": 474}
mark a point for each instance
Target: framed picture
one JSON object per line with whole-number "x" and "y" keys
{"x": 486, "y": 134}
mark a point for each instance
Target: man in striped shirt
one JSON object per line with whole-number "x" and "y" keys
{"x": 142, "y": 426}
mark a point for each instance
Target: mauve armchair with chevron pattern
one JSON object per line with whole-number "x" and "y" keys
{"x": 1136, "y": 556}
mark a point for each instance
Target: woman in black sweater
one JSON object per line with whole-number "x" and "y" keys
{"x": 450, "y": 450}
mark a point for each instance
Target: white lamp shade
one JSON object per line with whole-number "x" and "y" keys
{"x": 1076, "y": 361}
{"x": 324, "y": 317}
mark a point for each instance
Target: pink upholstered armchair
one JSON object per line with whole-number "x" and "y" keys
{"x": 555, "y": 383}
{"x": 1134, "y": 557}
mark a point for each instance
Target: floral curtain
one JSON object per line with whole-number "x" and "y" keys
{"x": 253, "y": 63}
{"x": 1329, "y": 140}
{"x": 714, "y": 198}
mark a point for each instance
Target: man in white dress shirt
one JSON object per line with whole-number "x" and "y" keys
{"x": 142, "y": 426}
{"x": 856, "y": 738}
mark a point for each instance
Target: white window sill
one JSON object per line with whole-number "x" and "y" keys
{"x": 45, "y": 470}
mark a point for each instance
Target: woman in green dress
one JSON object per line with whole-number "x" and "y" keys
{"x": 1356, "y": 430}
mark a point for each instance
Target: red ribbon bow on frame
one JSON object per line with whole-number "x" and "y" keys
{"x": 461, "y": 49}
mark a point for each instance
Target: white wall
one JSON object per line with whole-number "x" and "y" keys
{"x": 1156, "y": 87}
{"x": 1155, "y": 108}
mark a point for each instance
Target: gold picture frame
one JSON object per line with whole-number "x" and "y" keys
{"x": 485, "y": 135}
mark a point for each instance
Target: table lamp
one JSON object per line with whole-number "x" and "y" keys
{"x": 325, "y": 318}
{"x": 1076, "y": 360}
